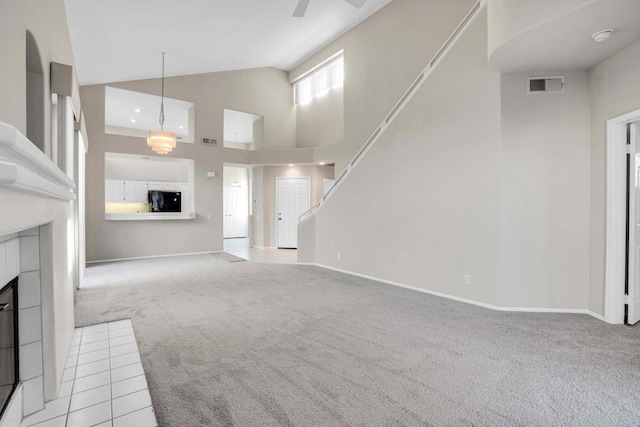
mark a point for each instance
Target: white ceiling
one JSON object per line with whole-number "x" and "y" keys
{"x": 565, "y": 42}
{"x": 120, "y": 40}
{"x": 121, "y": 106}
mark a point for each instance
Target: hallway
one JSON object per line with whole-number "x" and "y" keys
{"x": 240, "y": 247}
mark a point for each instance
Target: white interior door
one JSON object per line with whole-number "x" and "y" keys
{"x": 633, "y": 299}
{"x": 236, "y": 212}
{"x": 292, "y": 200}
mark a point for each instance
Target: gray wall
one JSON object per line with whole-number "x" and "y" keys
{"x": 264, "y": 91}
{"x": 13, "y": 84}
{"x": 615, "y": 90}
{"x": 265, "y": 191}
{"x": 481, "y": 179}
{"x": 544, "y": 224}
{"x": 383, "y": 56}
{"x": 423, "y": 206}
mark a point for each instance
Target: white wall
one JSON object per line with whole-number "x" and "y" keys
{"x": 544, "y": 226}
{"x": 321, "y": 120}
{"x": 615, "y": 90}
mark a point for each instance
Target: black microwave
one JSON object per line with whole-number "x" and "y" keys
{"x": 165, "y": 201}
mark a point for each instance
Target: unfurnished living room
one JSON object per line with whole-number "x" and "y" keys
{"x": 319, "y": 213}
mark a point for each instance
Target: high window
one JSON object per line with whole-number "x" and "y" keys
{"x": 319, "y": 81}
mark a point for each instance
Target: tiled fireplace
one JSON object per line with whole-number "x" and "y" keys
{"x": 36, "y": 243}
{"x": 20, "y": 256}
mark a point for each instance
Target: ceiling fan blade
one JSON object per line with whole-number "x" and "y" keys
{"x": 356, "y": 3}
{"x": 301, "y": 8}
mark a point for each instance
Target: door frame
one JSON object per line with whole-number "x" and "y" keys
{"x": 275, "y": 220}
{"x": 616, "y": 216}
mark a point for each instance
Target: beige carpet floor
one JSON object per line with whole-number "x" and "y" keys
{"x": 263, "y": 345}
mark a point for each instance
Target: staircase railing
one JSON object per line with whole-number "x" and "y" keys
{"x": 399, "y": 106}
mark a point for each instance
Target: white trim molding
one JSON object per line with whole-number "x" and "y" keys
{"x": 465, "y": 300}
{"x": 616, "y": 227}
{"x": 23, "y": 167}
{"x": 100, "y": 261}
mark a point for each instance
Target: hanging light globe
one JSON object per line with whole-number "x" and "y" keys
{"x": 161, "y": 141}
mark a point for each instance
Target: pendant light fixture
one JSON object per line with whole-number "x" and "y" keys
{"x": 161, "y": 141}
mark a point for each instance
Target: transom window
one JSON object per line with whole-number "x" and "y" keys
{"x": 319, "y": 81}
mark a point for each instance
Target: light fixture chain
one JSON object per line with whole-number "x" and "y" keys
{"x": 162, "y": 96}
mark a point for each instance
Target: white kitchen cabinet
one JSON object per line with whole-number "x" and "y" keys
{"x": 170, "y": 186}
{"x": 115, "y": 191}
{"x": 155, "y": 185}
{"x": 121, "y": 191}
{"x": 141, "y": 191}
{"x": 186, "y": 197}
{"x": 130, "y": 191}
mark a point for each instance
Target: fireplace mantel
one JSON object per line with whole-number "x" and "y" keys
{"x": 23, "y": 167}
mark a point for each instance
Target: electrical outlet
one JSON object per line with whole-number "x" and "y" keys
{"x": 209, "y": 216}
{"x": 466, "y": 279}
{"x": 339, "y": 255}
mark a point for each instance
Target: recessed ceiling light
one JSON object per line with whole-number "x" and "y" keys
{"x": 137, "y": 110}
{"x": 181, "y": 127}
{"x": 602, "y": 35}
{"x": 321, "y": 163}
{"x": 133, "y": 120}
{"x": 290, "y": 165}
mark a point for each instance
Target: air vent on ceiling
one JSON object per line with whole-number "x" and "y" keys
{"x": 553, "y": 84}
{"x": 209, "y": 141}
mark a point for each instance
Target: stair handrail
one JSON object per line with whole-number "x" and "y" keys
{"x": 399, "y": 106}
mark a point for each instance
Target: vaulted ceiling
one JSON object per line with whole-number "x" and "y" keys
{"x": 120, "y": 40}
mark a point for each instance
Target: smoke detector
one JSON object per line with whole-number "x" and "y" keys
{"x": 602, "y": 35}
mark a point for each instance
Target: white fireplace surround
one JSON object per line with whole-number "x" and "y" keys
{"x": 24, "y": 168}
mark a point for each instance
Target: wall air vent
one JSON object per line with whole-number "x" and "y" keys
{"x": 209, "y": 141}
{"x": 554, "y": 84}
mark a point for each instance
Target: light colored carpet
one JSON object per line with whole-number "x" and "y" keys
{"x": 263, "y": 345}
{"x": 225, "y": 256}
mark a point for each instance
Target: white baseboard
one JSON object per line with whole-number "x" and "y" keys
{"x": 594, "y": 314}
{"x": 465, "y": 300}
{"x": 264, "y": 247}
{"x": 151, "y": 256}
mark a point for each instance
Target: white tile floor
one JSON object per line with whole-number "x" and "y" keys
{"x": 240, "y": 247}
{"x": 103, "y": 383}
